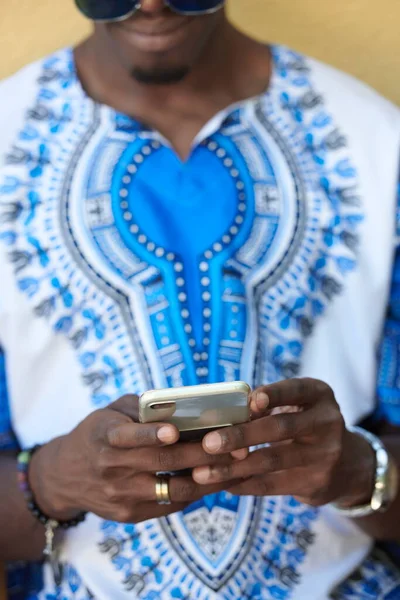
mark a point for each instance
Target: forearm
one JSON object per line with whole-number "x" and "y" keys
{"x": 21, "y": 535}
{"x": 386, "y": 526}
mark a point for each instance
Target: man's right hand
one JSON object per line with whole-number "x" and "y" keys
{"x": 107, "y": 466}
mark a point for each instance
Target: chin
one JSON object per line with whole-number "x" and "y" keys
{"x": 161, "y": 50}
{"x": 160, "y": 76}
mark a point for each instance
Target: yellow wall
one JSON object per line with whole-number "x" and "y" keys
{"x": 360, "y": 36}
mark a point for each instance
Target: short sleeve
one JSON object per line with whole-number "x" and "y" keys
{"x": 388, "y": 385}
{"x": 7, "y": 437}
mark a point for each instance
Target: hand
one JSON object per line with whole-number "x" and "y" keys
{"x": 107, "y": 466}
{"x": 310, "y": 455}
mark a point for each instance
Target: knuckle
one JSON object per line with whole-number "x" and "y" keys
{"x": 114, "y": 437}
{"x": 235, "y": 437}
{"x": 313, "y": 499}
{"x": 339, "y": 423}
{"x": 304, "y": 385}
{"x": 321, "y": 481}
{"x": 145, "y": 435}
{"x": 314, "y": 491}
{"x": 95, "y": 425}
{"x": 315, "y": 389}
{"x": 262, "y": 487}
{"x": 334, "y": 422}
{"x": 123, "y": 399}
{"x": 165, "y": 460}
{"x": 286, "y": 425}
{"x": 240, "y": 435}
{"x": 303, "y": 458}
{"x": 223, "y": 472}
{"x": 322, "y": 389}
{"x": 270, "y": 461}
{"x": 214, "y": 459}
{"x": 125, "y": 404}
{"x": 185, "y": 491}
{"x": 111, "y": 493}
{"x": 105, "y": 464}
{"x": 278, "y": 395}
{"x": 125, "y": 514}
{"x": 335, "y": 454}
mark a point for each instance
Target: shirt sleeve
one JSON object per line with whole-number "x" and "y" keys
{"x": 7, "y": 438}
{"x": 388, "y": 390}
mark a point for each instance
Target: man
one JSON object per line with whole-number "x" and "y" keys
{"x": 179, "y": 205}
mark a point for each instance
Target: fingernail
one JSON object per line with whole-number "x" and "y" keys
{"x": 166, "y": 434}
{"x": 261, "y": 401}
{"x": 213, "y": 442}
{"x": 202, "y": 474}
{"x": 240, "y": 454}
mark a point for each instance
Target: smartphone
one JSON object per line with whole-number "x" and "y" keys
{"x": 199, "y": 409}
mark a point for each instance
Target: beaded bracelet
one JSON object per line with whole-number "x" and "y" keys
{"x": 51, "y": 525}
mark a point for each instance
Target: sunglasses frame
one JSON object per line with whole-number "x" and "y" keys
{"x": 167, "y": 3}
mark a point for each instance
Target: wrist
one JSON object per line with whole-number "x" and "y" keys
{"x": 358, "y": 472}
{"x": 51, "y": 494}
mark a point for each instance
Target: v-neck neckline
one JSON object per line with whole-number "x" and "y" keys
{"x": 209, "y": 128}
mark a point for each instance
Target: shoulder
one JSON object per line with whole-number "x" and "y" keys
{"x": 18, "y": 94}
{"x": 22, "y": 79}
{"x": 368, "y": 122}
{"x": 353, "y": 96}
{"x": 358, "y": 106}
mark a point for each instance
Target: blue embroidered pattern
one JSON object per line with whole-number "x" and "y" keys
{"x": 7, "y": 438}
{"x": 155, "y": 293}
{"x": 376, "y": 579}
{"x": 389, "y": 365}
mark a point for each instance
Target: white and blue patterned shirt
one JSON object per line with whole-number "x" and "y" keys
{"x": 267, "y": 254}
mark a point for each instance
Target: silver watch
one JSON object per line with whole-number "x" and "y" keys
{"x": 386, "y": 479}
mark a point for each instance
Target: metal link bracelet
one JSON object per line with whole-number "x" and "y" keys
{"x": 385, "y": 482}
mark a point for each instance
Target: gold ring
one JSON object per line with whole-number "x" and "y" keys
{"x": 162, "y": 491}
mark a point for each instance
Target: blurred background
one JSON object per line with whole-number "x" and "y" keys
{"x": 359, "y": 36}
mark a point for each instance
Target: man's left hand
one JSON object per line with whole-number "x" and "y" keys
{"x": 310, "y": 453}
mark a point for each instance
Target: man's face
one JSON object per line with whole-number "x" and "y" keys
{"x": 158, "y": 45}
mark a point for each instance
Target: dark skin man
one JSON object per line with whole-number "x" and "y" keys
{"x": 107, "y": 464}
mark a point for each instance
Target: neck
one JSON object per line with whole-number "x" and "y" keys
{"x": 212, "y": 79}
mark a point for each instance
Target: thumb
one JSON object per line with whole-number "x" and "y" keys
{"x": 127, "y": 405}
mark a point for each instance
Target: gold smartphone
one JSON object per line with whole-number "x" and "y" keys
{"x": 198, "y": 409}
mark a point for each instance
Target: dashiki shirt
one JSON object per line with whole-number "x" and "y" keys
{"x": 268, "y": 254}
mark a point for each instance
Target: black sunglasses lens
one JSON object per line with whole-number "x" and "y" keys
{"x": 103, "y": 10}
{"x": 108, "y": 10}
{"x": 195, "y": 6}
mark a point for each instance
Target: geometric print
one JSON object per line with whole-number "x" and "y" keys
{"x": 95, "y": 215}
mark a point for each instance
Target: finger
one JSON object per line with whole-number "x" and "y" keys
{"x": 177, "y": 457}
{"x": 291, "y": 392}
{"x": 138, "y": 435}
{"x": 284, "y": 483}
{"x": 267, "y": 460}
{"x": 182, "y": 490}
{"x": 186, "y": 490}
{"x": 276, "y": 428}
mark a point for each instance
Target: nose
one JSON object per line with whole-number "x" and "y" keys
{"x": 152, "y": 7}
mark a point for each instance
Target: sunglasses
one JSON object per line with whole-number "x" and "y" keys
{"x": 119, "y": 10}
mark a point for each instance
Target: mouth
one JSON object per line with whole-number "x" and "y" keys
{"x": 157, "y": 36}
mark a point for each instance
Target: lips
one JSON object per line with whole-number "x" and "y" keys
{"x": 155, "y": 28}
{"x": 155, "y": 36}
